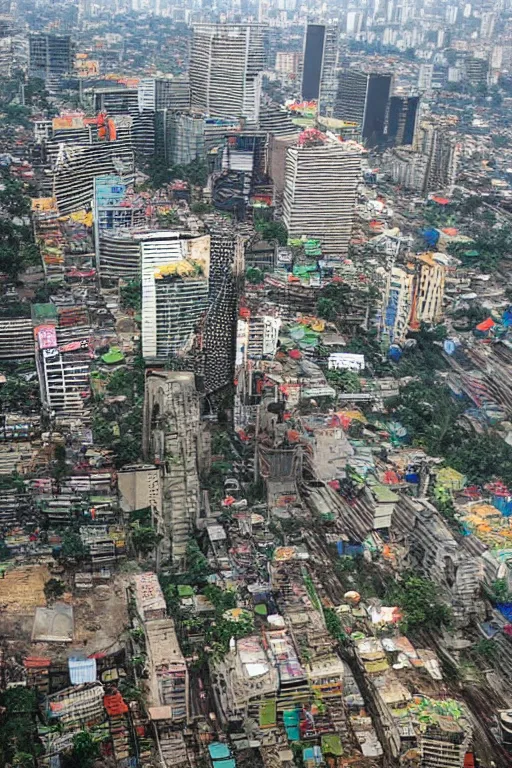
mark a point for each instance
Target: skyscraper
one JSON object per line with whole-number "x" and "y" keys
{"x": 225, "y": 69}
{"x": 320, "y": 189}
{"x": 363, "y": 98}
{"x": 313, "y": 54}
{"x": 50, "y": 55}
{"x": 402, "y": 119}
{"x": 319, "y": 67}
{"x": 175, "y": 270}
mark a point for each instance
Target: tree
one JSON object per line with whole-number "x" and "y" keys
{"x": 418, "y": 598}
{"x": 53, "y": 589}
{"x": 131, "y": 295}
{"x": 72, "y": 547}
{"x": 272, "y": 230}
{"x": 145, "y": 539}
{"x": 85, "y": 750}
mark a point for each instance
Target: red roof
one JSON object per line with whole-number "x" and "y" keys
{"x": 36, "y": 662}
{"x": 440, "y": 200}
{"x": 115, "y": 704}
{"x": 486, "y": 325}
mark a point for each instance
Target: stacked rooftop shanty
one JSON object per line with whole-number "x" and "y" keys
{"x": 320, "y": 189}
{"x": 225, "y": 69}
{"x": 175, "y": 269}
{"x": 171, "y": 436}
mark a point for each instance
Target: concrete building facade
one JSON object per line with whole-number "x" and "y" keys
{"x": 320, "y": 189}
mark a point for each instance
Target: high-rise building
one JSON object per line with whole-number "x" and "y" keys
{"x": 319, "y": 65}
{"x": 50, "y": 55}
{"x": 329, "y": 75}
{"x": 80, "y": 150}
{"x": 175, "y": 270}
{"x": 172, "y": 439}
{"x": 320, "y": 189}
{"x": 225, "y": 69}
{"x": 476, "y": 71}
{"x": 226, "y": 270}
{"x": 425, "y": 77}
{"x": 428, "y": 295}
{"x": 312, "y": 65}
{"x": 440, "y": 147}
{"x": 402, "y": 117}
{"x": 396, "y": 303}
{"x": 363, "y": 98}
{"x": 487, "y": 22}
{"x": 431, "y": 165}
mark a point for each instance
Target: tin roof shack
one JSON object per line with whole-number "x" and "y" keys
{"x": 432, "y": 548}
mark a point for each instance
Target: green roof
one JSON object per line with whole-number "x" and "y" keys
{"x": 384, "y": 494}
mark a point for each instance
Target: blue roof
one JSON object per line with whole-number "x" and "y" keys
{"x": 219, "y": 751}
{"x": 82, "y": 671}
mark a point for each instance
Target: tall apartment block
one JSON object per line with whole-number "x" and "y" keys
{"x": 363, "y": 98}
{"x": 319, "y": 66}
{"x": 225, "y": 69}
{"x": 439, "y": 145}
{"x": 50, "y": 55}
{"x": 171, "y": 438}
{"x": 175, "y": 270}
{"x": 320, "y": 189}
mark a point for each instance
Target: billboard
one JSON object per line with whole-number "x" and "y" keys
{"x": 346, "y": 361}
{"x": 109, "y": 190}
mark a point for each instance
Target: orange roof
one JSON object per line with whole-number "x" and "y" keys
{"x": 486, "y": 325}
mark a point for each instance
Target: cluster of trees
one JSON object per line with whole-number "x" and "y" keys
{"x": 419, "y": 601}
{"x": 272, "y": 230}
{"x": 432, "y": 416}
{"x": 195, "y": 173}
{"x": 17, "y": 247}
{"x": 131, "y": 295}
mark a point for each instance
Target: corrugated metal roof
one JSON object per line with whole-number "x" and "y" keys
{"x": 82, "y": 671}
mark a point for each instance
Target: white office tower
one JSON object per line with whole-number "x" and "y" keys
{"x": 321, "y": 179}
{"x": 226, "y": 69}
{"x": 175, "y": 270}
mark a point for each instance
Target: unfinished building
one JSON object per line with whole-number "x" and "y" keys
{"x": 171, "y": 439}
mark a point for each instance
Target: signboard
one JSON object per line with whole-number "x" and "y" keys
{"x": 109, "y": 190}
{"x": 242, "y": 339}
{"x": 44, "y": 204}
{"x": 346, "y": 361}
{"x": 271, "y": 327}
{"x": 64, "y": 122}
{"x": 46, "y": 336}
